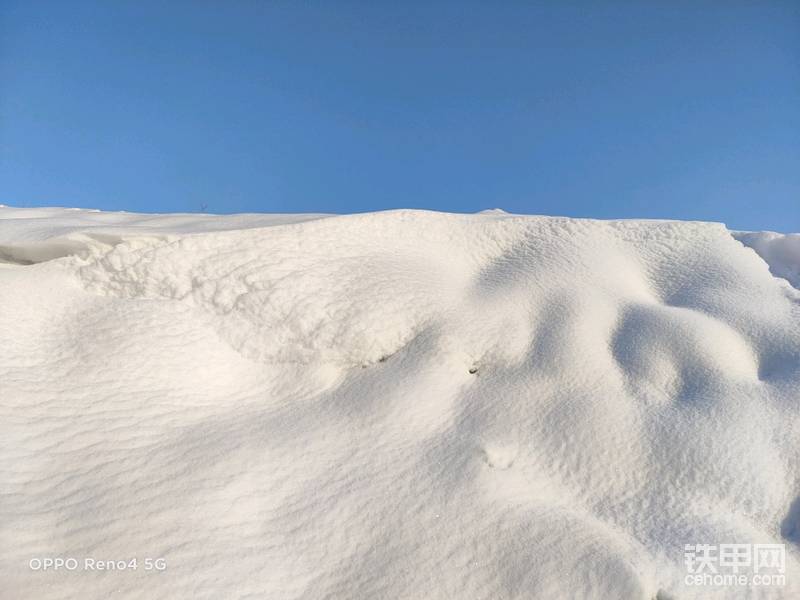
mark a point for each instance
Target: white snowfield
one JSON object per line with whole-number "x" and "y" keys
{"x": 393, "y": 405}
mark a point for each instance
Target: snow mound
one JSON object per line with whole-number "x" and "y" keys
{"x": 392, "y": 405}
{"x": 780, "y": 251}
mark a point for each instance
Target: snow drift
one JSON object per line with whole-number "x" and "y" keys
{"x": 393, "y": 405}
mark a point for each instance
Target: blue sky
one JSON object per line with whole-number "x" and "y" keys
{"x": 686, "y": 110}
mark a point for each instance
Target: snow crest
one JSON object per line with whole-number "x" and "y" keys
{"x": 780, "y": 251}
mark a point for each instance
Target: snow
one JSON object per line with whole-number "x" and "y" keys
{"x": 780, "y": 251}
{"x": 404, "y": 404}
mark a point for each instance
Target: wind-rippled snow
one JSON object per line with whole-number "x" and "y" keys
{"x": 393, "y": 405}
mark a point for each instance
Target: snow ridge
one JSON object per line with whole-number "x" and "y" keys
{"x": 780, "y": 251}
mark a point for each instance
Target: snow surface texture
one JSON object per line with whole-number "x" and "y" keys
{"x": 781, "y": 252}
{"x": 394, "y": 405}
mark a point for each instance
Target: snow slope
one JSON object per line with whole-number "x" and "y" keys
{"x": 780, "y": 251}
{"x": 393, "y": 405}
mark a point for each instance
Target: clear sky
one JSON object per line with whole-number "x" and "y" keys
{"x": 657, "y": 109}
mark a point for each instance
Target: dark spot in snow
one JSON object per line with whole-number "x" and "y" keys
{"x": 790, "y": 528}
